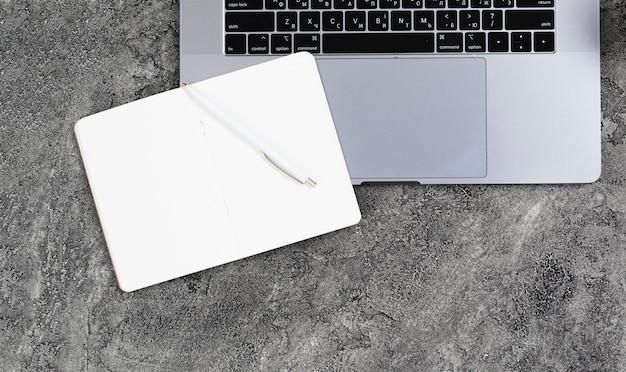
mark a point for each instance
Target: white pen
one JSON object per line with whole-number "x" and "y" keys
{"x": 274, "y": 157}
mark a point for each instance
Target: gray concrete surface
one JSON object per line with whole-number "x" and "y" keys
{"x": 459, "y": 278}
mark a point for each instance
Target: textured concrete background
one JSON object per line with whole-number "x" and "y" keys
{"x": 484, "y": 278}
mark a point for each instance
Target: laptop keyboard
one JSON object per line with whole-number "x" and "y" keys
{"x": 388, "y": 26}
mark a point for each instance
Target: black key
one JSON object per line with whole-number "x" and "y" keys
{"x": 378, "y": 21}
{"x": 355, "y": 21}
{"x": 401, "y": 21}
{"x": 258, "y": 43}
{"x": 535, "y": 3}
{"x": 544, "y": 42}
{"x": 307, "y": 43}
{"x": 492, "y": 20}
{"x": 235, "y": 44}
{"x": 281, "y": 43}
{"x": 458, "y": 3}
{"x": 249, "y": 21}
{"x": 498, "y": 42}
{"x": 320, "y": 4}
{"x": 366, "y": 4}
{"x": 423, "y": 20}
{"x": 521, "y": 41}
{"x": 244, "y": 4}
{"x": 309, "y": 21}
{"x": 475, "y": 42}
{"x": 435, "y": 3}
{"x": 379, "y": 43}
{"x": 469, "y": 20}
{"x": 446, "y": 20}
{"x": 529, "y": 20}
{"x": 450, "y": 42}
{"x": 344, "y": 4}
{"x": 332, "y": 21}
{"x": 503, "y": 3}
{"x": 275, "y": 4}
{"x": 412, "y": 3}
{"x": 298, "y": 4}
{"x": 389, "y": 4}
{"x": 481, "y": 3}
{"x": 287, "y": 21}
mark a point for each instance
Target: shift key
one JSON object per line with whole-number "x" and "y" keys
{"x": 529, "y": 20}
{"x": 249, "y": 21}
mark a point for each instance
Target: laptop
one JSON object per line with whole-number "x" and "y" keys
{"x": 429, "y": 91}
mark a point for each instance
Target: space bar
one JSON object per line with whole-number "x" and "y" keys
{"x": 391, "y": 42}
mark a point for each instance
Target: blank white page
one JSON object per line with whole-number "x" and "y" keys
{"x": 155, "y": 190}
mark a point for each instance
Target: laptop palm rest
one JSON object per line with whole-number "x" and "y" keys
{"x": 409, "y": 118}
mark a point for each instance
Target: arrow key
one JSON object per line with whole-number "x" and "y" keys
{"x": 544, "y": 42}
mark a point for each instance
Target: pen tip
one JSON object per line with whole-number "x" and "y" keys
{"x": 310, "y": 182}
{"x": 184, "y": 84}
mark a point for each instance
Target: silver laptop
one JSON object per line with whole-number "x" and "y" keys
{"x": 429, "y": 91}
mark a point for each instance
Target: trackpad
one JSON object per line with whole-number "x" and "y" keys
{"x": 409, "y": 118}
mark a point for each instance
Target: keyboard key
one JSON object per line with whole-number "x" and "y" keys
{"x": 275, "y": 4}
{"x": 535, "y": 3}
{"x": 521, "y": 42}
{"x": 503, "y": 3}
{"x": 332, "y": 21}
{"x": 412, "y": 4}
{"x": 450, "y": 42}
{"x": 475, "y": 42}
{"x": 287, "y": 21}
{"x": 355, "y": 21}
{"x": 281, "y": 43}
{"x": 458, "y": 3}
{"x": 469, "y": 20}
{"x": 544, "y": 42}
{"x": 320, "y": 4}
{"x": 435, "y": 3}
{"x": 307, "y": 43}
{"x": 446, "y": 20}
{"x": 309, "y": 21}
{"x": 249, "y": 21}
{"x": 298, "y": 4}
{"x": 244, "y": 4}
{"x": 401, "y": 21}
{"x": 529, "y": 20}
{"x": 378, "y": 21}
{"x": 235, "y": 44}
{"x": 389, "y": 4}
{"x": 424, "y": 20}
{"x": 492, "y": 20}
{"x": 366, "y": 4}
{"x": 258, "y": 43}
{"x": 387, "y": 42}
{"x": 344, "y": 4}
{"x": 481, "y": 3}
{"x": 498, "y": 42}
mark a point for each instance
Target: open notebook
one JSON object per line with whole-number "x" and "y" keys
{"x": 178, "y": 192}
